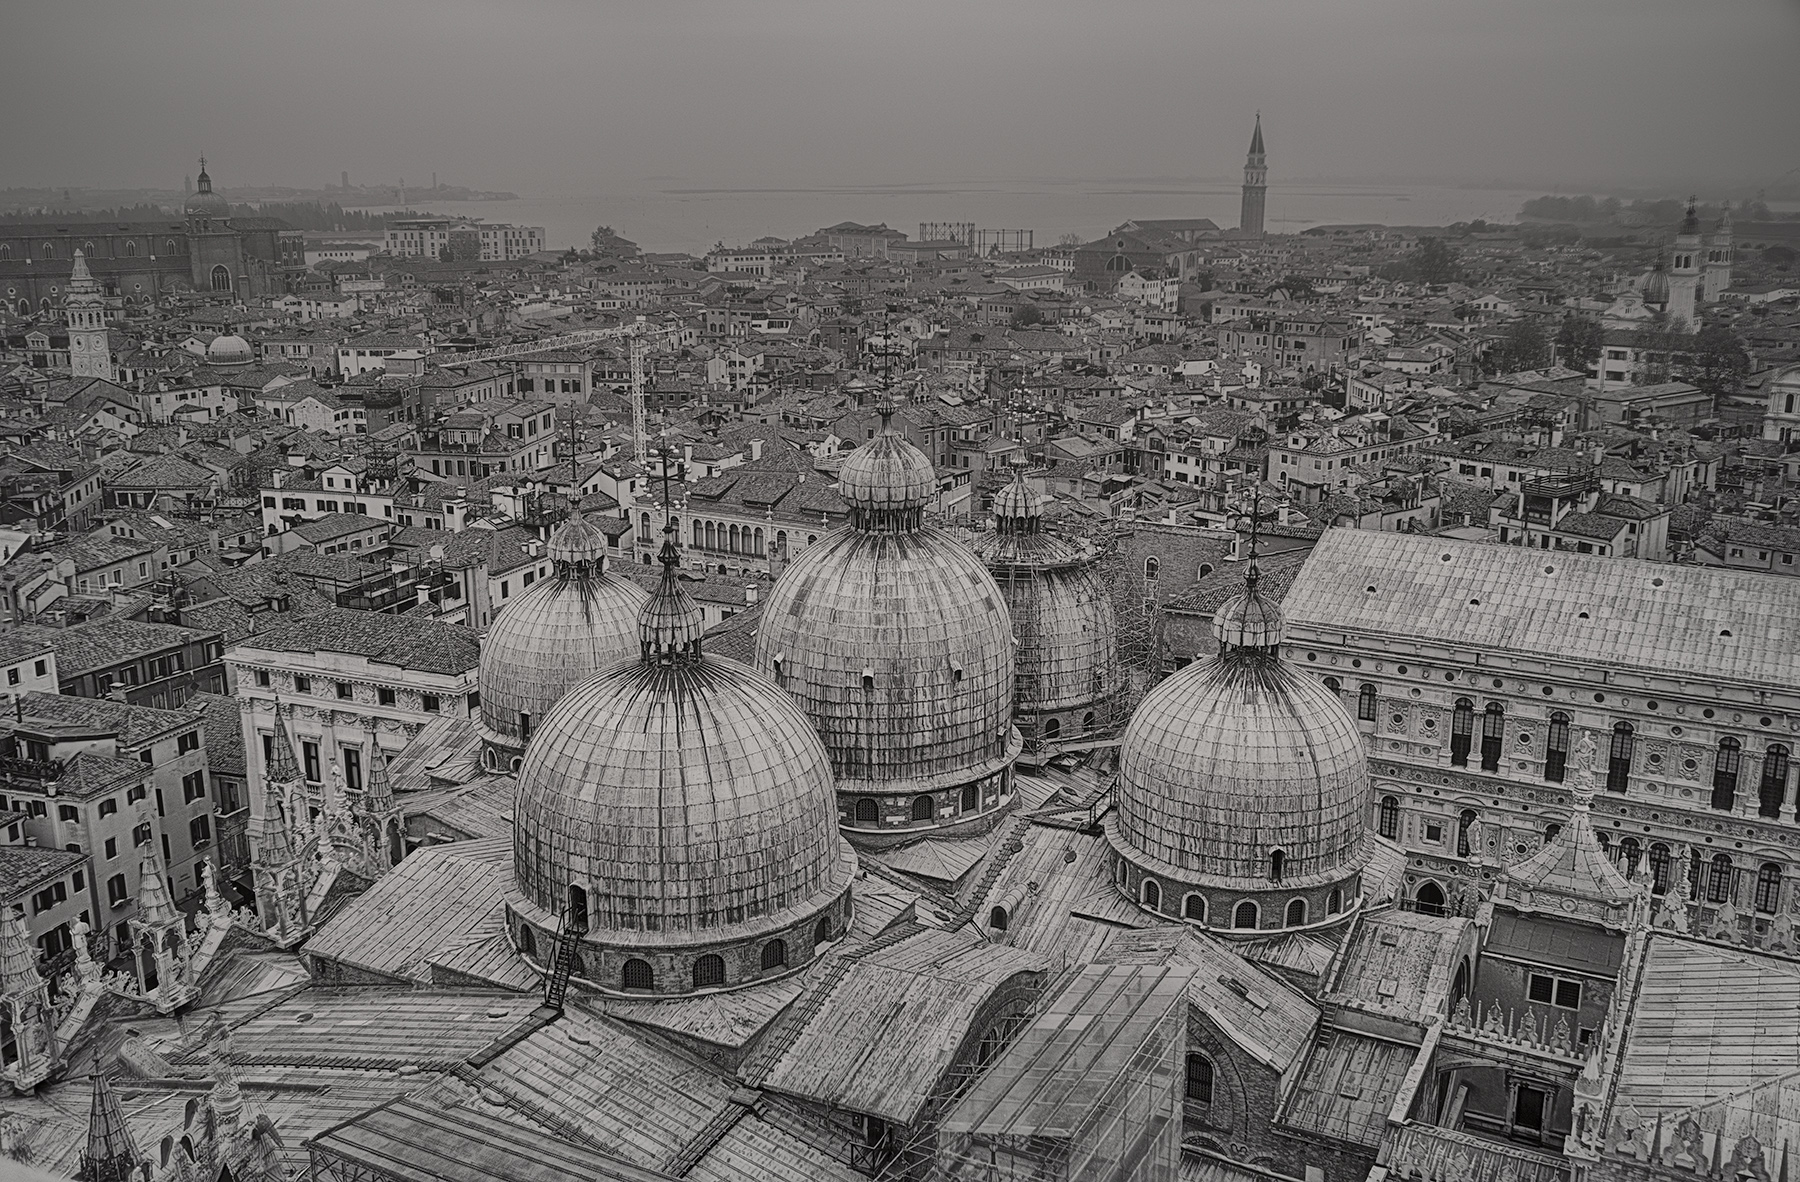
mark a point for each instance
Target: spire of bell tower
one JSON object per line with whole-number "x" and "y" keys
{"x": 1256, "y": 184}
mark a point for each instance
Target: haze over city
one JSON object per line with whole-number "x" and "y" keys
{"x": 553, "y": 99}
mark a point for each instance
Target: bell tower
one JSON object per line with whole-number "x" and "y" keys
{"x": 84, "y": 307}
{"x": 1684, "y": 272}
{"x": 1718, "y": 259}
{"x": 1256, "y": 184}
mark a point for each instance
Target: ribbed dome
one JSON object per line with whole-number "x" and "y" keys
{"x": 899, "y": 648}
{"x": 560, "y": 631}
{"x": 577, "y": 540}
{"x": 229, "y": 349}
{"x": 887, "y": 481}
{"x": 1017, "y": 502}
{"x": 1656, "y": 288}
{"x": 1233, "y": 759}
{"x": 1248, "y": 621}
{"x": 686, "y": 795}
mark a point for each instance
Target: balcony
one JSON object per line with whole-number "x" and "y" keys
{"x": 1562, "y": 484}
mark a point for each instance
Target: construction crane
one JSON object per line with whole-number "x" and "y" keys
{"x": 640, "y": 335}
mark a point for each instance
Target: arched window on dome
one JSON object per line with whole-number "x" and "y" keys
{"x": 1387, "y": 818}
{"x": 1199, "y": 1088}
{"x": 1194, "y": 907}
{"x": 1618, "y": 758}
{"x": 637, "y": 974}
{"x": 1556, "y": 748}
{"x": 1429, "y": 898}
{"x": 822, "y": 931}
{"x": 971, "y": 798}
{"x": 1087, "y": 721}
{"x": 1768, "y": 888}
{"x": 1774, "y": 780}
{"x": 923, "y": 808}
{"x": 524, "y": 727}
{"x": 1245, "y": 916}
{"x": 997, "y": 919}
{"x": 1725, "y": 773}
{"x": 1719, "y": 879}
{"x": 867, "y": 811}
{"x": 527, "y": 940}
{"x": 1123, "y": 872}
{"x": 1493, "y": 734}
{"x": 1151, "y": 894}
{"x": 221, "y": 278}
{"x": 1659, "y": 869}
{"x": 1365, "y": 703}
{"x": 1151, "y": 566}
{"x": 1296, "y": 913}
{"x": 1464, "y": 820}
{"x": 1052, "y": 728}
{"x": 576, "y": 912}
{"x": 774, "y": 955}
{"x": 709, "y": 970}
{"x": 1462, "y": 727}
{"x": 1277, "y": 864}
{"x": 1334, "y": 902}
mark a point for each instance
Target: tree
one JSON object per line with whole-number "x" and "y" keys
{"x": 1779, "y": 256}
{"x": 1523, "y": 347}
{"x": 1435, "y": 261}
{"x": 1579, "y": 341}
{"x": 1298, "y": 287}
{"x": 1716, "y": 363}
{"x": 1069, "y": 240}
{"x": 1027, "y": 316}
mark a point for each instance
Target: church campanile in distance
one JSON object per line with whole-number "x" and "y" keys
{"x": 1256, "y": 184}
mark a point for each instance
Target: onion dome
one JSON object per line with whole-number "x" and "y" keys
{"x": 895, "y": 640}
{"x": 229, "y": 349}
{"x": 1068, "y": 682}
{"x": 678, "y": 810}
{"x": 562, "y": 630}
{"x": 205, "y": 202}
{"x": 1690, "y": 222}
{"x": 1242, "y": 783}
{"x": 1656, "y": 287}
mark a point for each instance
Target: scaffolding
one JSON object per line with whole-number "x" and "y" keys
{"x": 1089, "y": 1091}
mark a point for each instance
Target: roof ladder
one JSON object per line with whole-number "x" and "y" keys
{"x": 556, "y": 985}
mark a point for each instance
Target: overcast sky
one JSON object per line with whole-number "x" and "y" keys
{"x": 563, "y": 97}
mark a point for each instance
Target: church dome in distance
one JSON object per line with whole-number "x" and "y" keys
{"x": 560, "y": 631}
{"x": 1242, "y": 785}
{"x": 682, "y": 806}
{"x": 204, "y": 202}
{"x": 1656, "y": 287}
{"x": 229, "y": 349}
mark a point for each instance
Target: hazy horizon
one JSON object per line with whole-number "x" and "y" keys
{"x": 552, "y": 99}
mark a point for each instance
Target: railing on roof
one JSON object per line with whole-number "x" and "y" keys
{"x": 1563, "y": 484}
{"x": 19, "y": 768}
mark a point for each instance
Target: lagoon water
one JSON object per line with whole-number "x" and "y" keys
{"x": 691, "y": 218}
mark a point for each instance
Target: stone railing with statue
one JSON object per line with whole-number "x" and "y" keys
{"x": 1522, "y": 1032}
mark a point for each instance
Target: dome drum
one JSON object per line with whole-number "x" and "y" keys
{"x": 789, "y": 941}
{"x": 1218, "y": 904}
{"x": 875, "y": 816}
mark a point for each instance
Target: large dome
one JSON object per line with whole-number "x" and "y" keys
{"x": 688, "y": 804}
{"x": 1243, "y": 782}
{"x": 1068, "y": 681}
{"x": 559, "y": 632}
{"x": 895, "y": 640}
{"x": 204, "y": 202}
{"x": 229, "y": 349}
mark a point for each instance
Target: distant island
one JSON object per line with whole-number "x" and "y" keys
{"x": 1610, "y": 211}
{"x": 79, "y": 204}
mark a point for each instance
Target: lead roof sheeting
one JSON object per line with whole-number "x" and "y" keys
{"x": 1531, "y": 603}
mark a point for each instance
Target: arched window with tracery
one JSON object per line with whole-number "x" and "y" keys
{"x": 1151, "y": 566}
{"x": 1556, "y": 748}
{"x": 1719, "y": 879}
{"x": 1387, "y": 822}
{"x": 1659, "y": 869}
{"x": 1365, "y": 703}
{"x": 1618, "y": 757}
{"x": 1768, "y": 888}
{"x": 1725, "y": 773}
{"x": 221, "y": 278}
{"x": 1429, "y": 898}
{"x": 1493, "y": 734}
{"x": 1462, "y": 729}
{"x": 1773, "y": 791}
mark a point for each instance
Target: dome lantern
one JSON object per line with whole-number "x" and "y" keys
{"x": 887, "y": 482}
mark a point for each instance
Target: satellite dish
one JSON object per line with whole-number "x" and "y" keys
{"x": 437, "y": 552}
